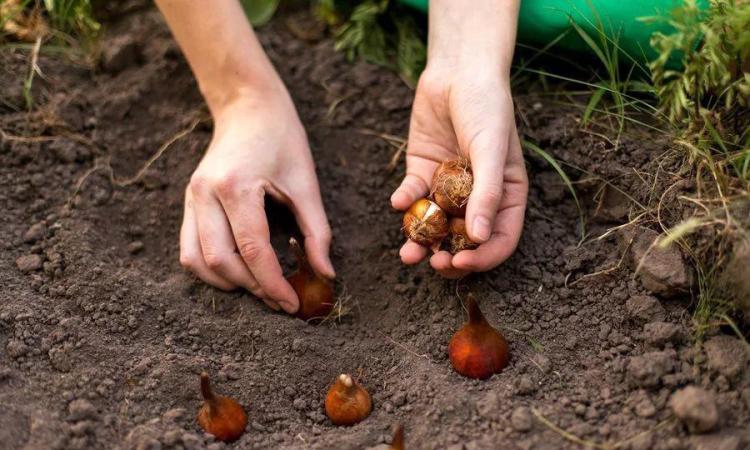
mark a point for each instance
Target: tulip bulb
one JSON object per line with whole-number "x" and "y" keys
{"x": 315, "y": 293}
{"x": 451, "y": 186}
{"x": 477, "y": 350}
{"x": 347, "y": 402}
{"x": 458, "y": 239}
{"x": 221, "y": 416}
{"x": 426, "y": 223}
{"x": 398, "y": 439}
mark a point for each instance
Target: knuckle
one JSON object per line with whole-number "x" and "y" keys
{"x": 187, "y": 261}
{"x": 326, "y": 235}
{"x": 492, "y": 193}
{"x": 226, "y": 184}
{"x": 251, "y": 251}
{"x": 199, "y": 183}
{"x": 214, "y": 261}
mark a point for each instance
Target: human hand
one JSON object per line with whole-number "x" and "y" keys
{"x": 467, "y": 112}
{"x": 259, "y": 147}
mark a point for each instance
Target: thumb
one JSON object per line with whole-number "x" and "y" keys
{"x": 312, "y": 220}
{"x": 412, "y": 188}
{"x": 487, "y": 152}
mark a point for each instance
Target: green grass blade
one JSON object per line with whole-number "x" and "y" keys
{"x": 591, "y": 105}
{"x": 560, "y": 171}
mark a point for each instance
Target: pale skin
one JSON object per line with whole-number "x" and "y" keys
{"x": 462, "y": 106}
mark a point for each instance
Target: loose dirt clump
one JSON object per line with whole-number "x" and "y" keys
{"x": 103, "y": 336}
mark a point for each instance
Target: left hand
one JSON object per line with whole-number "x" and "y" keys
{"x": 470, "y": 113}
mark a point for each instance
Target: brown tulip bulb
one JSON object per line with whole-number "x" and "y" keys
{"x": 477, "y": 350}
{"x": 315, "y": 293}
{"x": 398, "y": 439}
{"x": 459, "y": 239}
{"x": 221, "y": 416}
{"x": 451, "y": 186}
{"x": 347, "y": 402}
{"x": 426, "y": 223}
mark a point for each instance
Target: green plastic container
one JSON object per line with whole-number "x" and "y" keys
{"x": 540, "y": 22}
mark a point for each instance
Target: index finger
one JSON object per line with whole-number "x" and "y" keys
{"x": 245, "y": 209}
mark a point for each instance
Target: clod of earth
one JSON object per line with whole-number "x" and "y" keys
{"x": 451, "y": 186}
{"x": 221, "y": 416}
{"x": 426, "y": 223}
{"x": 347, "y": 402}
{"x": 459, "y": 239}
{"x": 315, "y": 293}
{"x": 726, "y": 355}
{"x": 478, "y": 350}
{"x": 661, "y": 270}
{"x": 696, "y": 408}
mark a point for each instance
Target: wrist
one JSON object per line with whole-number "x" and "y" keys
{"x": 240, "y": 88}
{"x": 465, "y": 39}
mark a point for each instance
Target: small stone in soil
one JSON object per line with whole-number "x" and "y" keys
{"x": 525, "y": 386}
{"x": 81, "y": 409}
{"x": 120, "y": 53}
{"x": 646, "y": 370}
{"x": 29, "y": 263}
{"x": 726, "y": 355}
{"x": 661, "y": 270}
{"x": 645, "y": 308}
{"x": 521, "y": 419}
{"x": 35, "y": 232}
{"x": 659, "y": 333}
{"x": 135, "y": 247}
{"x": 696, "y": 408}
{"x": 716, "y": 441}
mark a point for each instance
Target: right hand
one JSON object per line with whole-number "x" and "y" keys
{"x": 258, "y": 147}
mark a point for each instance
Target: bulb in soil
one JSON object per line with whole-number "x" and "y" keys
{"x": 398, "y": 439}
{"x": 347, "y": 402}
{"x": 221, "y": 416}
{"x": 459, "y": 239}
{"x": 477, "y": 350}
{"x": 425, "y": 223}
{"x": 315, "y": 293}
{"x": 451, "y": 186}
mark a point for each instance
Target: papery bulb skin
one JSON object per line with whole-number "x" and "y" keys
{"x": 451, "y": 186}
{"x": 459, "y": 240}
{"x": 398, "y": 439}
{"x": 425, "y": 223}
{"x": 220, "y": 416}
{"x": 478, "y": 350}
{"x": 315, "y": 293}
{"x": 347, "y": 402}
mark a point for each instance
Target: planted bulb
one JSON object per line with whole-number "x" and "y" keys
{"x": 347, "y": 402}
{"x": 221, "y": 416}
{"x": 477, "y": 350}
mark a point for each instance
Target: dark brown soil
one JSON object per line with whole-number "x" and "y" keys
{"x": 102, "y": 335}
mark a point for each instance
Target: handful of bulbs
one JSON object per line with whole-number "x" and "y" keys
{"x": 429, "y": 221}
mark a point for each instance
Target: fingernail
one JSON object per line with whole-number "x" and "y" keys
{"x": 273, "y": 305}
{"x": 481, "y": 228}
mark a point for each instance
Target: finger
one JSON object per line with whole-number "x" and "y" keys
{"x": 412, "y": 253}
{"x": 442, "y": 263}
{"x": 487, "y": 151}
{"x": 191, "y": 255}
{"x": 509, "y": 221}
{"x": 412, "y": 188}
{"x": 247, "y": 215}
{"x": 218, "y": 245}
{"x": 501, "y": 245}
{"x": 312, "y": 220}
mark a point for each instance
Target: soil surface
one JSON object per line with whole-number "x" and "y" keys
{"x": 103, "y": 335}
